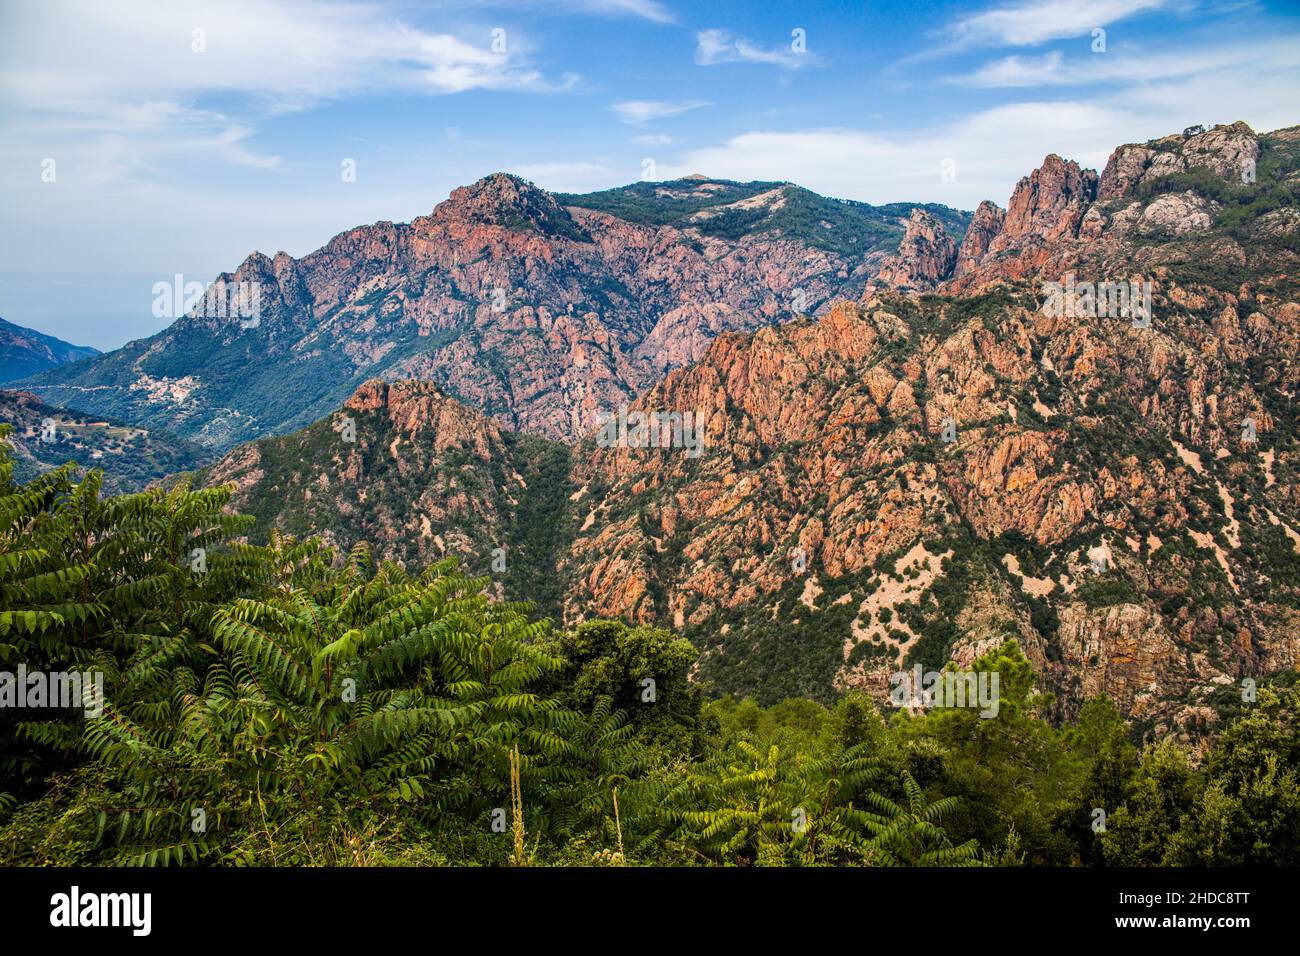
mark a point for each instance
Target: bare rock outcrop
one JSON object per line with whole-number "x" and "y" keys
{"x": 1229, "y": 151}
{"x": 925, "y": 257}
{"x": 983, "y": 229}
{"x": 1047, "y": 205}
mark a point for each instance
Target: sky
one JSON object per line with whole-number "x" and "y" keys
{"x": 144, "y": 139}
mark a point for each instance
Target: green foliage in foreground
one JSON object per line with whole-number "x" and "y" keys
{"x": 285, "y": 705}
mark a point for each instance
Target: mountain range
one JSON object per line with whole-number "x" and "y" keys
{"x": 1071, "y": 421}
{"x": 538, "y": 313}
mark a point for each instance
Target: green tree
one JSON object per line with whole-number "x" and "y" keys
{"x": 1248, "y": 813}
{"x": 1010, "y": 769}
{"x": 909, "y": 834}
{"x": 1100, "y": 740}
{"x": 1143, "y": 831}
{"x": 643, "y": 670}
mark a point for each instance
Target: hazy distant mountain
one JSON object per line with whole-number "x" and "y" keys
{"x": 25, "y": 352}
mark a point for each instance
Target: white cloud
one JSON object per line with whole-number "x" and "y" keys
{"x": 112, "y": 87}
{"x": 128, "y": 142}
{"x": 643, "y": 9}
{"x": 1135, "y": 66}
{"x": 287, "y": 52}
{"x": 1147, "y": 94}
{"x": 640, "y": 112}
{"x": 1017, "y": 71}
{"x": 992, "y": 149}
{"x": 1037, "y": 21}
{"x": 715, "y": 46}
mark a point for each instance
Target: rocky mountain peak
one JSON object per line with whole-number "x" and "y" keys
{"x": 416, "y": 406}
{"x": 501, "y": 188}
{"x": 506, "y": 201}
{"x": 1149, "y": 203}
{"x": 256, "y": 267}
{"x": 280, "y": 290}
{"x": 984, "y": 227}
{"x": 1048, "y": 204}
{"x": 370, "y": 396}
{"x": 1228, "y": 150}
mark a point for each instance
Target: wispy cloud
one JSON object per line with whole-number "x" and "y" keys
{"x": 650, "y": 10}
{"x": 716, "y": 46}
{"x": 1038, "y": 21}
{"x": 1134, "y": 65}
{"x": 122, "y": 143}
{"x": 1016, "y": 71}
{"x": 640, "y": 112}
{"x": 652, "y": 139}
{"x": 286, "y": 52}
{"x": 993, "y": 148}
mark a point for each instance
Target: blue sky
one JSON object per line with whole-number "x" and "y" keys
{"x": 176, "y": 151}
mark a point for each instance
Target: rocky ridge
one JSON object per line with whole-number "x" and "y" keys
{"x": 536, "y": 313}
{"x": 417, "y": 476}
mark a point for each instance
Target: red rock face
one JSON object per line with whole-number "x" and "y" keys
{"x": 984, "y": 227}
{"x": 412, "y": 407}
{"x": 826, "y": 437}
{"x": 925, "y": 256}
{"x": 1227, "y": 151}
{"x": 1047, "y": 209}
{"x": 1062, "y": 219}
{"x": 1047, "y": 205}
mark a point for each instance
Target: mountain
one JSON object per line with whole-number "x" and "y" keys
{"x": 1099, "y": 502}
{"x": 25, "y": 352}
{"x": 423, "y": 478}
{"x": 537, "y": 312}
{"x": 1121, "y": 499}
{"x": 45, "y": 437}
{"x": 953, "y": 456}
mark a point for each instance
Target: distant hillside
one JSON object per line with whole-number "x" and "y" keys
{"x": 729, "y": 210}
{"x": 45, "y": 437}
{"x": 25, "y": 352}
